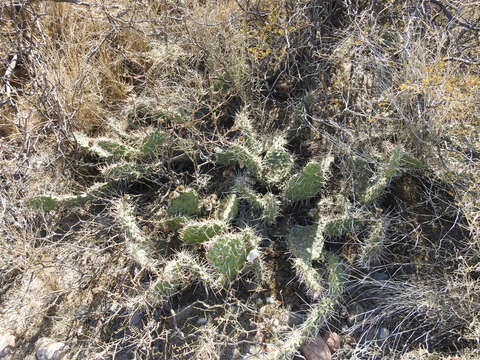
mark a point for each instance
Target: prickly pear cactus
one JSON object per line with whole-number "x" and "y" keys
{"x": 228, "y": 208}
{"x": 52, "y": 202}
{"x": 306, "y": 245}
{"x": 277, "y": 165}
{"x": 137, "y": 244}
{"x": 121, "y": 172}
{"x": 267, "y": 205}
{"x": 227, "y": 253}
{"x": 373, "y": 247}
{"x": 309, "y": 182}
{"x": 369, "y": 185}
{"x": 319, "y": 314}
{"x": 248, "y": 136}
{"x": 184, "y": 202}
{"x": 105, "y": 148}
{"x": 154, "y": 144}
{"x": 198, "y": 232}
{"x": 241, "y": 156}
{"x": 178, "y": 273}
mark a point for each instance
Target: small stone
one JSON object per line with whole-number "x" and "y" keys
{"x": 333, "y": 341}
{"x": 259, "y": 302}
{"x": 252, "y": 255}
{"x": 201, "y": 321}
{"x": 383, "y": 333}
{"x": 276, "y": 322}
{"x": 7, "y": 343}
{"x": 269, "y": 300}
{"x": 316, "y": 349}
{"x": 380, "y": 276}
{"x": 49, "y": 349}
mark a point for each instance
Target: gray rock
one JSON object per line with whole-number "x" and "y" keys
{"x": 201, "y": 321}
{"x": 316, "y": 349}
{"x": 7, "y": 343}
{"x": 49, "y": 349}
{"x": 380, "y": 276}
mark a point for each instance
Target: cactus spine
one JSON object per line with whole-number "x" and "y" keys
{"x": 138, "y": 246}
{"x": 227, "y": 253}
{"x": 318, "y": 316}
{"x": 228, "y": 209}
{"x": 177, "y": 273}
{"x": 201, "y": 231}
{"x": 309, "y": 182}
{"x": 184, "y": 202}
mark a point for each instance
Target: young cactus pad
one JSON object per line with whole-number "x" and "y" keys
{"x": 138, "y": 246}
{"x": 277, "y": 165}
{"x": 309, "y": 183}
{"x": 185, "y": 202}
{"x": 200, "y": 231}
{"x": 121, "y": 172}
{"x": 241, "y": 156}
{"x": 228, "y": 208}
{"x": 104, "y": 148}
{"x": 227, "y": 253}
{"x": 51, "y": 202}
{"x": 154, "y": 144}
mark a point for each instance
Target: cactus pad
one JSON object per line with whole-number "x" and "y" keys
{"x": 185, "y": 203}
{"x": 201, "y": 231}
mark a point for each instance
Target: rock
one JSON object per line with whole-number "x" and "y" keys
{"x": 333, "y": 341}
{"x": 49, "y": 349}
{"x": 383, "y": 333}
{"x": 316, "y": 349}
{"x": 201, "y": 321}
{"x": 380, "y": 276}
{"x": 7, "y": 343}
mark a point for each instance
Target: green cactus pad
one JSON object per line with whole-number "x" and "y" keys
{"x": 227, "y": 254}
{"x": 228, "y": 208}
{"x": 185, "y": 203}
{"x": 105, "y": 148}
{"x": 249, "y": 138}
{"x": 121, "y": 172}
{"x": 341, "y": 226}
{"x": 44, "y": 202}
{"x": 174, "y": 224}
{"x": 373, "y": 245}
{"x": 201, "y": 231}
{"x": 241, "y": 156}
{"x": 277, "y": 165}
{"x": 271, "y": 208}
{"x": 306, "y": 242}
{"x": 137, "y": 245}
{"x": 52, "y": 202}
{"x": 307, "y": 184}
{"x": 154, "y": 144}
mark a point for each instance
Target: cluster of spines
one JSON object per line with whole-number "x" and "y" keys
{"x": 267, "y": 205}
{"x": 319, "y": 314}
{"x": 310, "y": 181}
{"x": 370, "y": 185}
{"x": 177, "y": 274}
{"x": 227, "y": 253}
{"x": 137, "y": 244}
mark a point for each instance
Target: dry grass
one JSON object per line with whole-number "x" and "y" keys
{"x": 350, "y": 78}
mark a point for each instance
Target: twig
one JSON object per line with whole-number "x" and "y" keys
{"x": 466, "y": 61}
{"x": 6, "y": 78}
{"x": 76, "y": 2}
